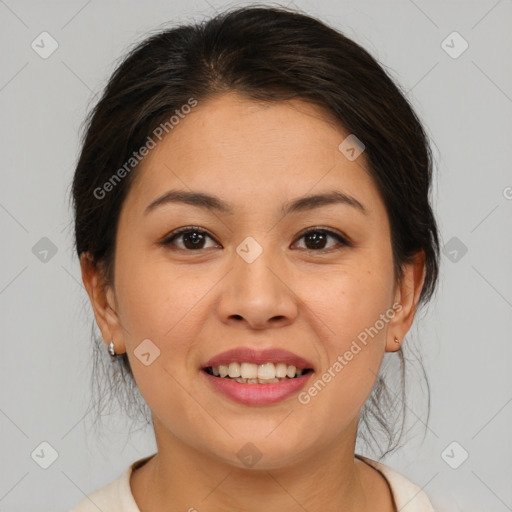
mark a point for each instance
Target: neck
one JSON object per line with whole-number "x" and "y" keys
{"x": 189, "y": 479}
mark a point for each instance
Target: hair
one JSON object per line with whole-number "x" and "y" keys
{"x": 268, "y": 54}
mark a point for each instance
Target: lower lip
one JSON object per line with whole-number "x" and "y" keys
{"x": 257, "y": 394}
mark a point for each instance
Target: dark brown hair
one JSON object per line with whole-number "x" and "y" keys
{"x": 269, "y": 54}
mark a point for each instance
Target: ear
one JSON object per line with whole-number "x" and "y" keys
{"x": 407, "y": 295}
{"x": 103, "y": 302}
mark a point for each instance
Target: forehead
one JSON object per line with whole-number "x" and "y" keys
{"x": 252, "y": 153}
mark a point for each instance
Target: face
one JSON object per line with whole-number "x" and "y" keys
{"x": 314, "y": 279}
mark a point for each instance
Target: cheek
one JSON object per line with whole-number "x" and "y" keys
{"x": 158, "y": 300}
{"x": 351, "y": 299}
{"x": 352, "y": 310}
{"x": 166, "y": 308}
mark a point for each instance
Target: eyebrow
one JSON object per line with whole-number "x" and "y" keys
{"x": 209, "y": 202}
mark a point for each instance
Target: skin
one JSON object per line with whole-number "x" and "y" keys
{"x": 194, "y": 304}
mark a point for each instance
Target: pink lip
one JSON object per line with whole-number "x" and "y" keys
{"x": 257, "y": 394}
{"x": 251, "y": 355}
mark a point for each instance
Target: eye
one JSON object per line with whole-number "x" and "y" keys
{"x": 193, "y": 238}
{"x": 316, "y": 239}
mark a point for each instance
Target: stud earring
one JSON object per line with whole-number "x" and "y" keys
{"x": 111, "y": 349}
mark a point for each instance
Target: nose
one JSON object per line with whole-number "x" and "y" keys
{"x": 258, "y": 294}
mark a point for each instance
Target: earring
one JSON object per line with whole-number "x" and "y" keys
{"x": 111, "y": 349}
{"x": 397, "y": 341}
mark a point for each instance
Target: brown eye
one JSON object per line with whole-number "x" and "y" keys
{"x": 316, "y": 239}
{"x": 191, "y": 238}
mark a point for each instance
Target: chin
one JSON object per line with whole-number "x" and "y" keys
{"x": 262, "y": 451}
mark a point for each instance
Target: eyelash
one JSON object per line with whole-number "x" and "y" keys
{"x": 343, "y": 241}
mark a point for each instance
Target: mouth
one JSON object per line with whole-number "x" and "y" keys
{"x": 250, "y": 373}
{"x": 257, "y": 377}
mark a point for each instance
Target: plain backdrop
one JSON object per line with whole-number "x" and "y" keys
{"x": 461, "y": 86}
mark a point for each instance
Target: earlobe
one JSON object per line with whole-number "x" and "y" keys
{"x": 407, "y": 294}
{"x": 102, "y": 301}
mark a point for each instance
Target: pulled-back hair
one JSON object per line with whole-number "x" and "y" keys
{"x": 268, "y": 54}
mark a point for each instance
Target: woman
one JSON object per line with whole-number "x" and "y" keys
{"x": 254, "y": 232}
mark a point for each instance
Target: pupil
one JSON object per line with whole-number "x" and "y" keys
{"x": 195, "y": 239}
{"x": 317, "y": 239}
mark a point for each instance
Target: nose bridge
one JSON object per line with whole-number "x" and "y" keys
{"x": 252, "y": 265}
{"x": 256, "y": 292}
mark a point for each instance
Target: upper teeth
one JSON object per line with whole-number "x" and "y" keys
{"x": 256, "y": 371}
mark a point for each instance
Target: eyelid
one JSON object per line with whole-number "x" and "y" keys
{"x": 185, "y": 229}
{"x": 342, "y": 238}
{"x": 325, "y": 229}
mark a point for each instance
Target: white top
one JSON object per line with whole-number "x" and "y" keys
{"x": 117, "y": 495}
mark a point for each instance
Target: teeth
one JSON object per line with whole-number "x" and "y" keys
{"x": 290, "y": 371}
{"x": 266, "y": 371}
{"x": 234, "y": 370}
{"x": 281, "y": 370}
{"x": 258, "y": 381}
{"x": 249, "y": 371}
{"x": 254, "y": 373}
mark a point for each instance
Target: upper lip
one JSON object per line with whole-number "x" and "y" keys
{"x": 258, "y": 356}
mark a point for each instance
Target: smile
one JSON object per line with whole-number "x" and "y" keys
{"x": 253, "y": 376}
{"x": 249, "y": 373}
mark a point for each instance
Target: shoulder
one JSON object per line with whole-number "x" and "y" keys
{"x": 106, "y": 498}
{"x": 116, "y": 496}
{"x": 408, "y": 496}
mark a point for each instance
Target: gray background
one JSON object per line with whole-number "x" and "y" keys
{"x": 466, "y": 105}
